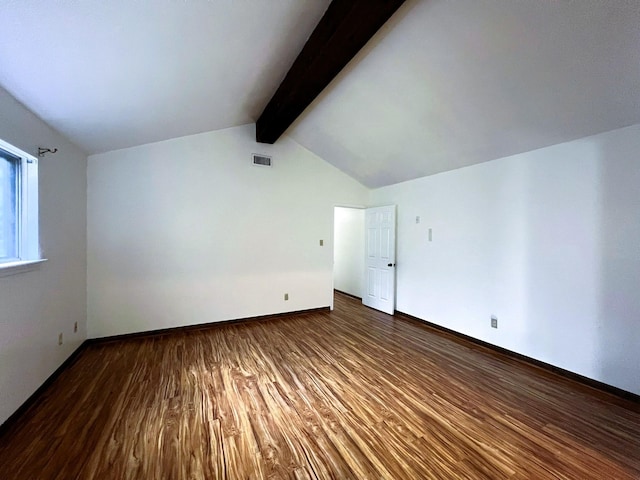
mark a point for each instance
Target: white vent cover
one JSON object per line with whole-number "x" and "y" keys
{"x": 261, "y": 160}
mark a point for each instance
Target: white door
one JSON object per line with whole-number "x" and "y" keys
{"x": 380, "y": 258}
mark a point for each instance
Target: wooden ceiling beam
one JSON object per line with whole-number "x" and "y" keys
{"x": 345, "y": 28}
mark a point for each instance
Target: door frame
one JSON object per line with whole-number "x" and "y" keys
{"x": 333, "y": 240}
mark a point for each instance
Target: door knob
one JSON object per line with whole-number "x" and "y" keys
{"x": 391, "y": 264}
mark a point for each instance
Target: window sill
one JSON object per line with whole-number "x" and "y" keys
{"x": 14, "y": 268}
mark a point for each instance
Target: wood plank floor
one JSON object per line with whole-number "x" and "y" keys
{"x": 348, "y": 394}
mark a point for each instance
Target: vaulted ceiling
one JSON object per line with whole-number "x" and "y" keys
{"x": 443, "y": 84}
{"x": 111, "y": 74}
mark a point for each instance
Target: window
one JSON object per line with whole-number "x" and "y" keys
{"x": 18, "y": 207}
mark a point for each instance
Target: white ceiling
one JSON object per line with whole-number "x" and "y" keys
{"x": 452, "y": 83}
{"x": 111, "y": 74}
{"x": 443, "y": 85}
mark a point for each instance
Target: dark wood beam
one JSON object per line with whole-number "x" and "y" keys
{"x": 345, "y": 28}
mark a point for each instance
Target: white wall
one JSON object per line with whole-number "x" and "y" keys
{"x": 36, "y": 305}
{"x": 549, "y": 241}
{"x": 348, "y": 254}
{"x": 188, "y": 231}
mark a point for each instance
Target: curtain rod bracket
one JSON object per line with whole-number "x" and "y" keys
{"x": 43, "y": 151}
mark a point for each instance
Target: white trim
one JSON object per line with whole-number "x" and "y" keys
{"x": 20, "y": 266}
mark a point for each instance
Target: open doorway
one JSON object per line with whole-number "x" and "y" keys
{"x": 348, "y": 251}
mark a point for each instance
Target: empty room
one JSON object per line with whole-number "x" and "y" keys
{"x": 319, "y": 239}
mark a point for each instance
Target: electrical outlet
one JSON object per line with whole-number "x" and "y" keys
{"x": 60, "y": 339}
{"x": 75, "y": 327}
{"x": 286, "y": 296}
{"x": 430, "y": 235}
{"x": 494, "y": 321}
{"x": 418, "y": 219}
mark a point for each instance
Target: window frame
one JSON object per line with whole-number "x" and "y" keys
{"x": 14, "y": 196}
{"x": 27, "y": 230}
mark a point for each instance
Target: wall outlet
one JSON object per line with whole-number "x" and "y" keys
{"x": 75, "y": 327}
{"x": 494, "y": 321}
{"x": 430, "y": 235}
{"x": 418, "y": 219}
{"x": 286, "y": 296}
{"x": 60, "y": 339}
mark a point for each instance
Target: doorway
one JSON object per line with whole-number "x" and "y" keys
{"x": 348, "y": 250}
{"x": 364, "y": 255}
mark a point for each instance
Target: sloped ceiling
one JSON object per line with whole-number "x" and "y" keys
{"x": 444, "y": 84}
{"x": 111, "y": 74}
{"x": 447, "y": 84}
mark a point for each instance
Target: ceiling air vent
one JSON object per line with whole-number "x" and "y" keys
{"x": 261, "y": 160}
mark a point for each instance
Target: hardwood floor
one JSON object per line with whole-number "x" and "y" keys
{"x": 348, "y": 394}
